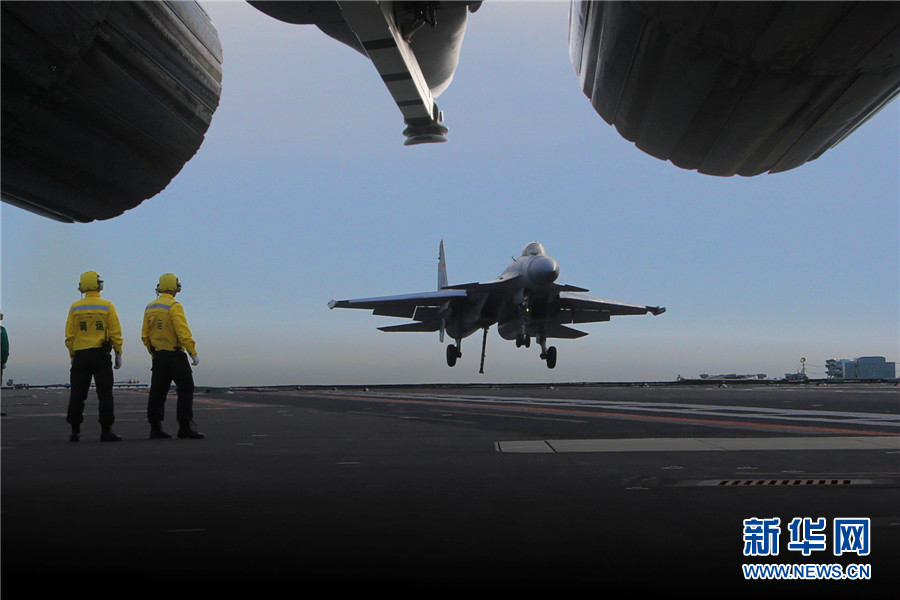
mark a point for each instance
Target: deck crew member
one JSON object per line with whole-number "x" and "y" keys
{"x": 92, "y": 332}
{"x": 167, "y": 337}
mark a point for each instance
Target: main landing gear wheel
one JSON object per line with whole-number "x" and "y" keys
{"x": 453, "y": 353}
{"x": 550, "y": 357}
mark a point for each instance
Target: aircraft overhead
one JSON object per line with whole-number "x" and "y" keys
{"x": 524, "y": 302}
{"x": 105, "y": 102}
{"x": 743, "y": 88}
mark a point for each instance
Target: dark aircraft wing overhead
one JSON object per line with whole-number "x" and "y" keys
{"x": 103, "y": 102}
{"x": 736, "y": 87}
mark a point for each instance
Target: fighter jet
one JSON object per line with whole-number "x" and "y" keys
{"x": 524, "y": 302}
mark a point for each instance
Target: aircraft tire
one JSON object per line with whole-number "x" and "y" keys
{"x": 551, "y": 357}
{"x": 452, "y": 355}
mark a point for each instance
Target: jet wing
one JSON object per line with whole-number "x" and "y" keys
{"x": 504, "y": 284}
{"x": 567, "y": 288}
{"x": 404, "y": 305}
{"x": 499, "y": 285}
{"x": 578, "y": 308}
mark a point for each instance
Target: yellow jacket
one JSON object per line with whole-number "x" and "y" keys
{"x": 93, "y": 321}
{"x": 165, "y": 326}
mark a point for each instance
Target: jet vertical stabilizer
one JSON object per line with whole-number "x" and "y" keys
{"x": 442, "y": 268}
{"x": 442, "y": 281}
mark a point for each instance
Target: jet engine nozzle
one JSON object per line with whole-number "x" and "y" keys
{"x": 542, "y": 270}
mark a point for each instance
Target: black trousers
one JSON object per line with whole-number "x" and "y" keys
{"x": 169, "y": 366}
{"x": 86, "y": 364}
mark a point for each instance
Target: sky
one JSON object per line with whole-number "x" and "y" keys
{"x": 303, "y": 192}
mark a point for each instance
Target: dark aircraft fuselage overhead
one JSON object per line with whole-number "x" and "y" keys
{"x": 104, "y": 102}
{"x": 743, "y": 88}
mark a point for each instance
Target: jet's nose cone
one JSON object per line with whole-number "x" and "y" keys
{"x": 543, "y": 270}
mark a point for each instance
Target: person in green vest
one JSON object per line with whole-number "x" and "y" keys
{"x": 4, "y": 347}
{"x": 4, "y": 353}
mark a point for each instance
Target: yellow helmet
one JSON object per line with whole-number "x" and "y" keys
{"x": 168, "y": 282}
{"x": 90, "y": 282}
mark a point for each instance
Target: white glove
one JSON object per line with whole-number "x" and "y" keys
{"x": 195, "y": 360}
{"x": 118, "y": 363}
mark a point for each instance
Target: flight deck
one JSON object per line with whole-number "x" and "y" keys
{"x": 572, "y": 487}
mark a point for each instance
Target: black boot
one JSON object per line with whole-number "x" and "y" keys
{"x": 189, "y": 430}
{"x": 157, "y": 433}
{"x": 107, "y": 435}
{"x": 76, "y": 434}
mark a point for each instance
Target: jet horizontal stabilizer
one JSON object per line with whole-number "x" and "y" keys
{"x": 561, "y": 331}
{"x": 400, "y": 311}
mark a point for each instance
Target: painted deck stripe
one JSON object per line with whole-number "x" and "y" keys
{"x": 612, "y": 411}
{"x": 701, "y": 444}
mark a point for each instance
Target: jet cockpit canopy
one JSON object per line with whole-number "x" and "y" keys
{"x": 533, "y": 249}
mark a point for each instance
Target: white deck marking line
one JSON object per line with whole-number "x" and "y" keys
{"x": 689, "y": 409}
{"x": 890, "y": 442}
